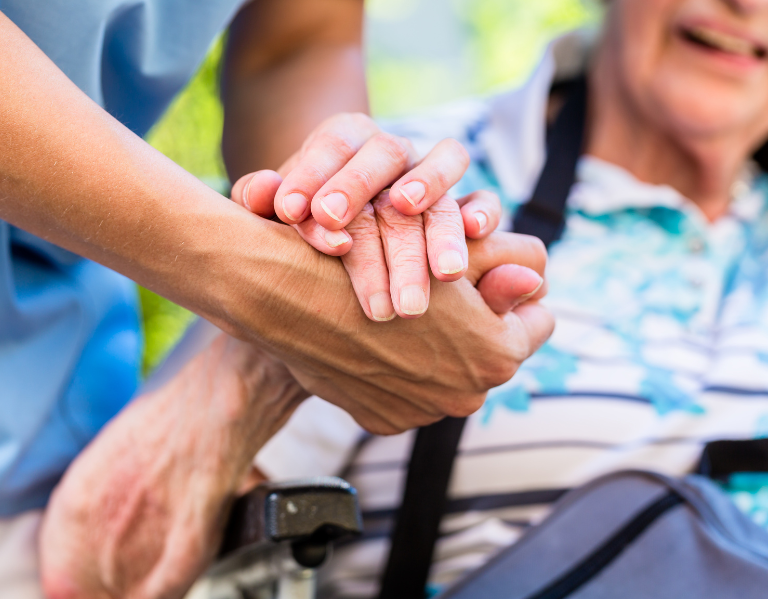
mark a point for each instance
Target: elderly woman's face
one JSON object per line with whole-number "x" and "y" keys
{"x": 699, "y": 67}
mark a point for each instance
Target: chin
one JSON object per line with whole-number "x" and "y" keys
{"x": 692, "y": 107}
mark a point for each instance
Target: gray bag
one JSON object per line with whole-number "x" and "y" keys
{"x": 632, "y": 534}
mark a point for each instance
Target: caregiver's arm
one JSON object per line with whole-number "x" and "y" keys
{"x": 72, "y": 174}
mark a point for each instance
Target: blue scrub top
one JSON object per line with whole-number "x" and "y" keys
{"x": 70, "y": 337}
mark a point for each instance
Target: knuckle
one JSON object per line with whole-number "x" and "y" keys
{"x": 340, "y": 145}
{"x": 393, "y": 146}
{"x": 366, "y": 239}
{"x": 389, "y": 218}
{"x": 311, "y": 175}
{"x": 360, "y": 180}
{"x": 466, "y": 405}
{"x": 406, "y": 262}
{"x": 445, "y": 228}
{"x": 504, "y": 373}
{"x": 402, "y": 230}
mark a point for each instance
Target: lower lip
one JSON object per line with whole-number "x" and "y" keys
{"x": 732, "y": 61}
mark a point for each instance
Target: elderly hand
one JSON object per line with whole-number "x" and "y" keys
{"x": 140, "y": 512}
{"x": 343, "y": 165}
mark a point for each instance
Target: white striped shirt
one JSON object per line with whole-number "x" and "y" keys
{"x": 661, "y": 344}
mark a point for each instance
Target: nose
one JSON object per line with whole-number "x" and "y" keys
{"x": 747, "y": 6}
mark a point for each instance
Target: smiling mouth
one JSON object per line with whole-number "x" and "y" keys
{"x": 723, "y": 42}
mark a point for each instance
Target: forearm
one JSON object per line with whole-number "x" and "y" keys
{"x": 288, "y": 66}
{"x": 141, "y": 511}
{"x": 73, "y": 175}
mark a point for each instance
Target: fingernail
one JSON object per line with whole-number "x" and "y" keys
{"x": 413, "y": 300}
{"x": 450, "y": 262}
{"x": 294, "y": 206}
{"x": 413, "y": 191}
{"x": 525, "y": 297}
{"x": 335, "y": 238}
{"x": 335, "y": 206}
{"x": 246, "y": 191}
{"x": 482, "y": 221}
{"x": 381, "y": 307}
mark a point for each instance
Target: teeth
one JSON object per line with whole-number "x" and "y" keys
{"x": 724, "y": 42}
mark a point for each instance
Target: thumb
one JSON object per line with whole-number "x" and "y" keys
{"x": 502, "y": 248}
{"x": 256, "y": 192}
{"x": 505, "y": 287}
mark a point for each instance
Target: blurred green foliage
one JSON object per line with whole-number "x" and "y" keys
{"x": 490, "y": 43}
{"x": 190, "y": 135}
{"x": 508, "y": 36}
{"x": 497, "y": 41}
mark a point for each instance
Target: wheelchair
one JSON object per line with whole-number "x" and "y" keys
{"x": 276, "y": 538}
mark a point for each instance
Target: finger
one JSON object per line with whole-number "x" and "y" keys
{"x": 437, "y": 173}
{"x": 332, "y": 243}
{"x": 501, "y": 248}
{"x": 324, "y": 153}
{"x": 367, "y": 267}
{"x": 382, "y": 159}
{"x": 481, "y": 212}
{"x": 446, "y": 244}
{"x": 289, "y": 164}
{"x": 507, "y": 286}
{"x": 405, "y": 248}
{"x": 256, "y": 192}
{"x": 530, "y": 325}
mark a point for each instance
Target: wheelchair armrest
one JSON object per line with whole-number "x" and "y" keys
{"x": 276, "y": 535}
{"x": 307, "y": 513}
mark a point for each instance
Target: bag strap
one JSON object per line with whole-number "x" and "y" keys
{"x": 722, "y": 458}
{"x": 417, "y": 523}
{"x": 544, "y": 214}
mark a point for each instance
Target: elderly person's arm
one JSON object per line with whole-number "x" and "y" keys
{"x": 140, "y": 512}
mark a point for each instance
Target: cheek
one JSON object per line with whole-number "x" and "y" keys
{"x": 683, "y": 99}
{"x": 637, "y": 37}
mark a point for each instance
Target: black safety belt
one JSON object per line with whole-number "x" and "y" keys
{"x": 424, "y": 502}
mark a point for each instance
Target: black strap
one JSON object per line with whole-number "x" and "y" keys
{"x": 725, "y": 457}
{"x": 417, "y": 523}
{"x": 544, "y": 214}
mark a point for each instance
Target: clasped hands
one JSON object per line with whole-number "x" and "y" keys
{"x": 140, "y": 512}
{"x": 388, "y": 254}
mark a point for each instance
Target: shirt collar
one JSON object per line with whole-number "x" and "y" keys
{"x": 602, "y": 187}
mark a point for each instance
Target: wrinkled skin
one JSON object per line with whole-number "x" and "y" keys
{"x": 140, "y": 512}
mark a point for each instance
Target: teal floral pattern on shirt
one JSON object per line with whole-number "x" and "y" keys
{"x": 624, "y": 281}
